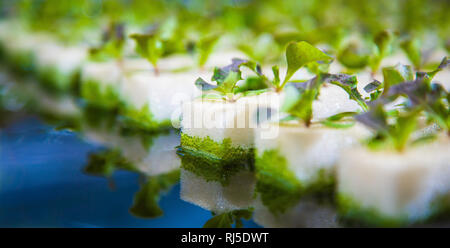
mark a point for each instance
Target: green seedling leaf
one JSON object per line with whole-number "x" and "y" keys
{"x": 428, "y": 76}
{"x": 204, "y": 48}
{"x": 396, "y": 74}
{"x": 335, "y": 121}
{"x": 149, "y": 46}
{"x": 112, "y": 45}
{"x": 354, "y": 57}
{"x": 412, "y": 48}
{"x": 382, "y": 41}
{"x": 298, "y": 54}
{"x": 347, "y": 83}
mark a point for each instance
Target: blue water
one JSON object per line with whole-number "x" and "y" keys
{"x": 42, "y": 185}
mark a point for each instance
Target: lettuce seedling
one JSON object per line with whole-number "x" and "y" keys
{"x": 392, "y": 75}
{"x": 160, "y": 40}
{"x": 395, "y": 135}
{"x": 226, "y": 78}
{"x": 428, "y": 76}
{"x": 262, "y": 49}
{"x": 205, "y": 47}
{"x": 353, "y": 56}
{"x": 300, "y": 96}
{"x": 299, "y": 54}
{"x": 396, "y": 74}
{"x": 412, "y": 48}
{"x": 113, "y": 42}
{"x": 423, "y": 97}
{"x": 382, "y": 42}
{"x": 149, "y": 46}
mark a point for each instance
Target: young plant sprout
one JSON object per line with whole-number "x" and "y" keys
{"x": 149, "y": 46}
{"x": 354, "y": 56}
{"x": 300, "y": 96}
{"x": 423, "y": 98}
{"x": 382, "y": 42}
{"x": 394, "y": 75}
{"x": 412, "y": 48}
{"x": 112, "y": 46}
{"x": 264, "y": 49}
{"x": 298, "y": 54}
{"x": 227, "y": 78}
{"x": 204, "y": 48}
{"x": 359, "y": 55}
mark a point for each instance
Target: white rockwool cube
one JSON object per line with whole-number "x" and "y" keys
{"x": 162, "y": 94}
{"x": 112, "y": 71}
{"x": 64, "y": 59}
{"x": 101, "y": 81}
{"x": 309, "y": 150}
{"x": 107, "y": 73}
{"x": 215, "y": 197}
{"x": 401, "y": 187}
{"x": 219, "y": 119}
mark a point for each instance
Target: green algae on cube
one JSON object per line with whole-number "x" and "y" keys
{"x": 217, "y": 135}
{"x": 299, "y": 161}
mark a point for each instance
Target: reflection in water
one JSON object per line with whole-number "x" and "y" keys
{"x": 151, "y": 156}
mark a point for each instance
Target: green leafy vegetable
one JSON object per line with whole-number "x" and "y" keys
{"x": 382, "y": 41}
{"x": 396, "y": 74}
{"x": 204, "y": 48}
{"x": 422, "y": 97}
{"x": 428, "y": 76}
{"x": 347, "y": 83}
{"x": 276, "y": 76}
{"x": 150, "y": 47}
{"x": 300, "y": 96}
{"x": 227, "y": 77}
{"x": 302, "y": 105}
{"x": 262, "y": 49}
{"x": 412, "y": 48}
{"x": 113, "y": 42}
{"x": 298, "y": 54}
{"x": 336, "y": 121}
{"x": 354, "y": 57}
